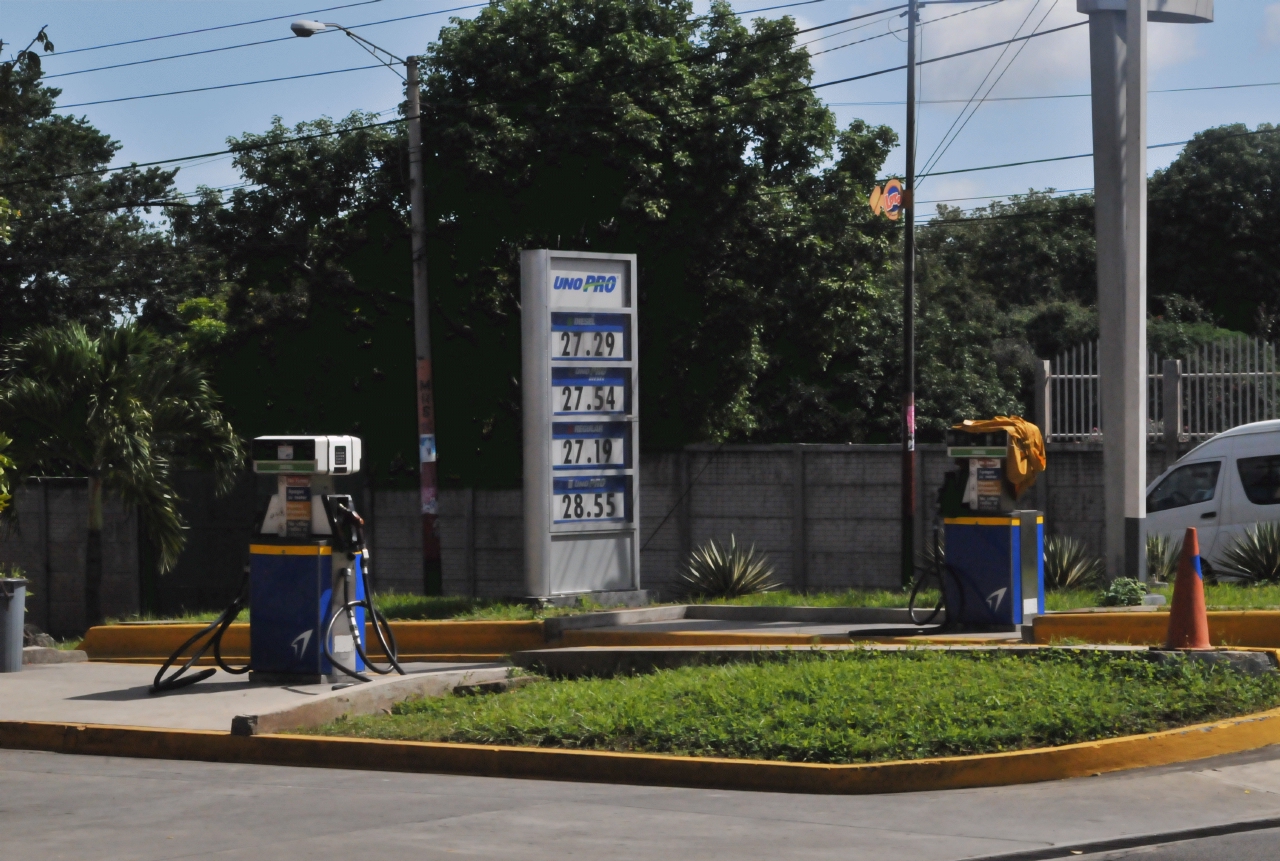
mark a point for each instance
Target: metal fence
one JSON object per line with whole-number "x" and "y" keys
{"x": 1217, "y": 387}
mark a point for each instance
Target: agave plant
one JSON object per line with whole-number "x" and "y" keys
{"x": 1069, "y": 565}
{"x": 1162, "y": 558}
{"x": 1253, "y": 555}
{"x": 727, "y": 572}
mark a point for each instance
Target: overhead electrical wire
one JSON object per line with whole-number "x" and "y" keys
{"x": 948, "y": 138}
{"x": 1057, "y": 96}
{"x": 58, "y": 54}
{"x": 922, "y": 24}
{"x": 705, "y": 55}
{"x": 262, "y": 42}
{"x": 779, "y": 94}
{"x": 221, "y": 86}
{"x": 211, "y": 29}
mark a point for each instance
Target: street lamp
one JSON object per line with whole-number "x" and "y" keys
{"x": 431, "y": 571}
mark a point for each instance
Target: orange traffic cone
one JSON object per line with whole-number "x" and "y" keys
{"x": 1188, "y": 622}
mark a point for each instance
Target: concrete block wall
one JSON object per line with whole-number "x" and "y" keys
{"x": 827, "y": 515}
{"x": 48, "y": 539}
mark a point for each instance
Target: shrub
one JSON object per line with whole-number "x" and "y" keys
{"x": 717, "y": 572}
{"x": 1124, "y": 592}
{"x": 1069, "y": 565}
{"x": 1253, "y": 555}
{"x": 1162, "y": 558}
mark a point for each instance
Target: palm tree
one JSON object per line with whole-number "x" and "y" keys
{"x": 124, "y": 408}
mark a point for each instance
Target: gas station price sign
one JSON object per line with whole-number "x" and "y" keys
{"x": 600, "y": 337}
{"x": 590, "y": 391}
{"x": 601, "y": 445}
{"x": 581, "y": 428}
{"x": 591, "y": 499}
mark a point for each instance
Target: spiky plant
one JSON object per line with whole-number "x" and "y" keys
{"x": 1069, "y": 565}
{"x": 727, "y": 572}
{"x": 1253, "y": 555}
{"x": 1162, "y": 558}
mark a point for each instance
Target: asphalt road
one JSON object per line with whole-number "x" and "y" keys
{"x": 1250, "y": 846}
{"x": 56, "y": 806}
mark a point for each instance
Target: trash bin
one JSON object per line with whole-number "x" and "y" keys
{"x": 13, "y": 607}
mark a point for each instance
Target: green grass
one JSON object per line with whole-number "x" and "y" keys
{"x": 1223, "y": 596}
{"x": 858, "y": 706}
{"x": 418, "y": 607}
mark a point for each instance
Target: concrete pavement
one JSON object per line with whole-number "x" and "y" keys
{"x": 57, "y": 806}
{"x": 117, "y": 694}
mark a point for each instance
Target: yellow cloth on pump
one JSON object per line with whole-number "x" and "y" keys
{"x": 1025, "y": 458}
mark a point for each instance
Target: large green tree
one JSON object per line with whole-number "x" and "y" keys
{"x": 693, "y": 141}
{"x": 1214, "y": 233}
{"x": 124, "y": 409}
{"x": 79, "y": 246}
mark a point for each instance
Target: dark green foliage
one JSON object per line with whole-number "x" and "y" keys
{"x": 124, "y": 409}
{"x": 1215, "y": 226}
{"x": 1069, "y": 565}
{"x": 1253, "y": 555}
{"x": 631, "y": 126}
{"x": 726, "y": 572}
{"x": 857, "y": 706}
{"x": 79, "y": 250}
{"x": 1162, "y": 558}
{"x": 1124, "y": 592}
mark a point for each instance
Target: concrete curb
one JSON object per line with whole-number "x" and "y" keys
{"x": 46, "y": 655}
{"x": 999, "y": 769}
{"x": 807, "y": 615}
{"x": 363, "y": 699}
{"x": 1255, "y": 628}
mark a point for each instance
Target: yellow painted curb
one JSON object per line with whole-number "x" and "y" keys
{"x": 418, "y": 641}
{"x": 1255, "y": 628}
{"x": 999, "y": 769}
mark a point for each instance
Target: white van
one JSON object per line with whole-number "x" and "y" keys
{"x": 1221, "y": 487}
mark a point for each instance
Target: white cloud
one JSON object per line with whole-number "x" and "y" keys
{"x": 1271, "y": 25}
{"x": 1047, "y": 63}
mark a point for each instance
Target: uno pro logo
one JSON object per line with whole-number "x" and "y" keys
{"x": 588, "y": 284}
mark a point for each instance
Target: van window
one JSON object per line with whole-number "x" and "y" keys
{"x": 1261, "y": 479}
{"x": 1186, "y": 485}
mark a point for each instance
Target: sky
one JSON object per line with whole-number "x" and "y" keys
{"x": 1242, "y": 46}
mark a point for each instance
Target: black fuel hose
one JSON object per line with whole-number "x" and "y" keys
{"x": 217, "y": 628}
{"x": 381, "y": 629}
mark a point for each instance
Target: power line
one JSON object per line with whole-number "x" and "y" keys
{"x": 711, "y": 107}
{"x": 892, "y": 32}
{"x": 261, "y": 42}
{"x": 705, "y": 55}
{"x": 1057, "y": 96}
{"x": 948, "y": 139}
{"x": 211, "y": 29}
{"x": 220, "y": 87}
{"x": 235, "y": 151}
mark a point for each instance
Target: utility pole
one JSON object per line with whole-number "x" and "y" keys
{"x": 432, "y": 581}
{"x": 1118, "y": 72}
{"x": 909, "y": 315}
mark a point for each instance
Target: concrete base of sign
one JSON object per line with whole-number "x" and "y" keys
{"x": 624, "y": 598}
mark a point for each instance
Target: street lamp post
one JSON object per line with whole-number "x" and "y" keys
{"x": 431, "y": 568}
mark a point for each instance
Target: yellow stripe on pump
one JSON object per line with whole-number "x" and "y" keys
{"x": 980, "y": 521}
{"x": 290, "y": 549}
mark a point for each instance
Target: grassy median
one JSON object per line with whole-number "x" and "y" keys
{"x": 858, "y": 706}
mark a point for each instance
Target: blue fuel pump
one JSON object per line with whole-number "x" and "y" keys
{"x": 994, "y": 550}
{"x": 307, "y": 578}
